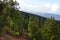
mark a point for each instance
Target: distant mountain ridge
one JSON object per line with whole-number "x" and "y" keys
{"x": 43, "y": 16}
{"x": 48, "y": 15}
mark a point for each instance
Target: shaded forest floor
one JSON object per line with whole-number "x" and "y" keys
{"x": 8, "y": 36}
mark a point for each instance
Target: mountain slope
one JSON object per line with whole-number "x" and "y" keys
{"x": 25, "y": 23}
{"x": 48, "y": 15}
{"x": 43, "y": 16}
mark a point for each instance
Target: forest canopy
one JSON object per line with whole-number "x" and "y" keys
{"x": 17, "y": 22}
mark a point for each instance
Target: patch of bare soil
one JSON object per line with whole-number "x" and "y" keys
{"x": 8, "y": 36}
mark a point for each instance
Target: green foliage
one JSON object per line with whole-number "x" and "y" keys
{"x": 16, "y": 22}
{"x": 49, "y": 30}
{"x": 32, "y": 25}
{"x": 15, "y": 33}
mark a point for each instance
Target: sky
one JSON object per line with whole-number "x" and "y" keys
{"x": 36, "y": 6}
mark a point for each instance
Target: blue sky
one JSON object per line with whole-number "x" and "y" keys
{"x": 45, "y": 6}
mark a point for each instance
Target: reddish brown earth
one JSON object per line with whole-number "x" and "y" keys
{"x": 11, "y": 37}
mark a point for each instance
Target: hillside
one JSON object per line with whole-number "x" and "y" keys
{"x": 19, "y": 25}
{"x": 32, "y": 25}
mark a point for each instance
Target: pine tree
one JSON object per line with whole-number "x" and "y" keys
{"x": 33, "y": 26}
{"x": 49, "y": 29}
{"x": 7, "y": 9}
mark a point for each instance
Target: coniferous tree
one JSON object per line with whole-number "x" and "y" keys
{"x": 49, "y": 29}
{"x": 7, "y": 8}
{"x": 33, "y": 26}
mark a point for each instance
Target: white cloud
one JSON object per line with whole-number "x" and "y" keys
{"x": 50, "y": 8}
{"x": 21, "y": 2}
{"x": 54, "y": 7}
{"x": 27, "y": 7}
{"x": 47, "y": 7}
